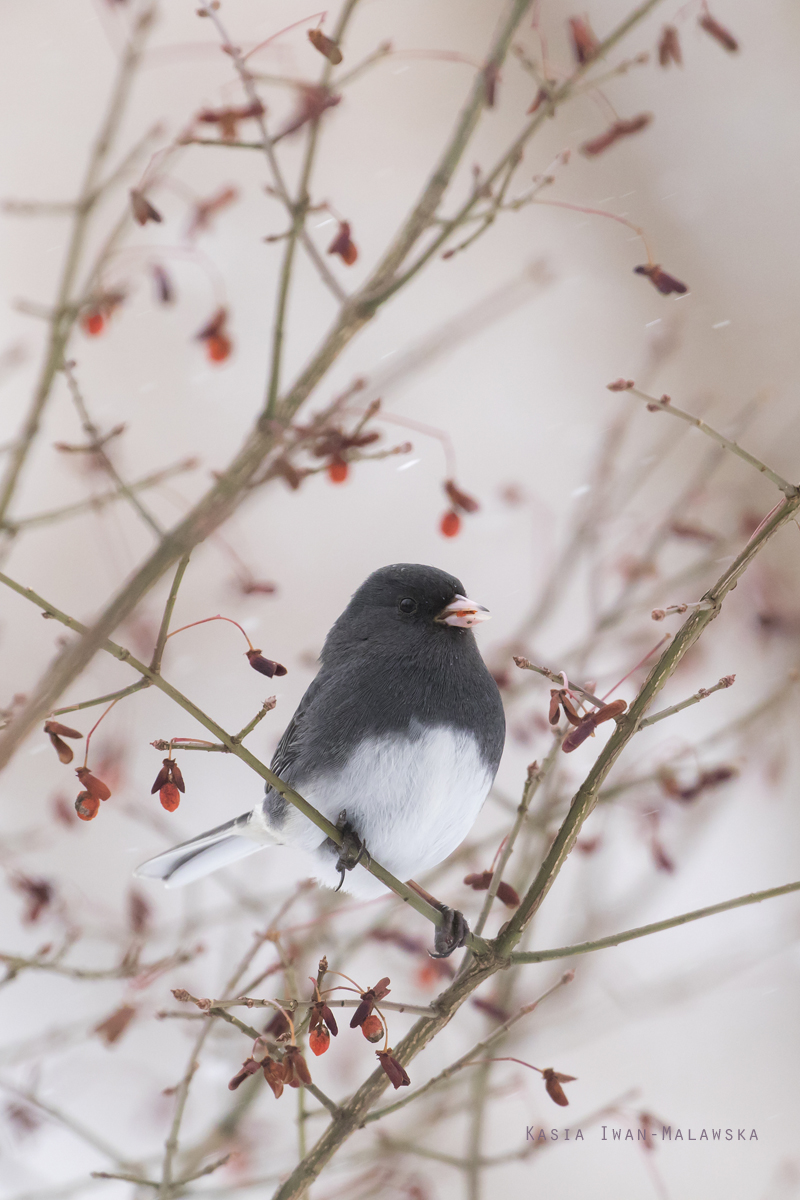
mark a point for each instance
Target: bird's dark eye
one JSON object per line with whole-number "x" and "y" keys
{"x": 407, "y": 606}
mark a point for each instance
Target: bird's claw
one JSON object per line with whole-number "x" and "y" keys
{"x": 351, "y": 850}
{"x": 451, "y": 934}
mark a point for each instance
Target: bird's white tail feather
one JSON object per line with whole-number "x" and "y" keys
{"x": 192, "y": 860}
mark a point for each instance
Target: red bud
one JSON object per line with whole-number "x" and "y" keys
{"x": 450, "y": 524}
{"x": 319, "y": 1040}
{"x": 87, "y": 806}
{"x": 372, "y": 1028}
{"x": 169, "y": 796}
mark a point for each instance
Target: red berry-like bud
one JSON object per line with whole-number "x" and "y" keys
{"x": 169, "y": 796}
{"x": 450, "y": 523}
{"x": 93, "y": 322}
{"x": 372, "y": 1028}
{"x": 87, "y": 806}
{"x": 218, "y": 347}
{"x": 338, "y": 470}
{"x": 319, "y": 1040}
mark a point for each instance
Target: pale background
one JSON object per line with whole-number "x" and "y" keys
{"x": 702, "y": 1020}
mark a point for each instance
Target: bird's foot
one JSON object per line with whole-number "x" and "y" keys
{"x": 451, "y": 934}
{"x": 351, "y": 850}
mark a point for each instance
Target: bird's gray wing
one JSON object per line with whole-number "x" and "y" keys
{"x": 286, "y": 753}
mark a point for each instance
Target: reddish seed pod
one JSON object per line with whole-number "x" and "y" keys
{"x": 87, "y": 806}
{"x": 266, "y": 666}
{"x": 338, "y": 470}
{"x": 450, "y": 524}
{"x": 319, "y": 1040}
{"x": 169, "y": 796}
{"x": 218, "y": 347}
{"x": 325, "y": 45}
{"x": 94, "y": 786}
{"x": 372, "y": 1028}
{"x": 93, "y": 322}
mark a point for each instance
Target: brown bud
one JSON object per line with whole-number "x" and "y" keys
{"x": 249, "y": 1067}
{"x": 61, "y": 730}
{"x": 570, "y": 712}
{"x": 584, "y": 41}
{"x": 295, "y": 1066}
{"x": 460, "y": 499}
{"x": 372, "y": 1028}
{"x": 552, "y": 1082}
{"x": 718, "y": 32}
{"x": 507, "y": 895}
{"x": 265, "y": 665}
{"x": 329, "y": 1019}
{"x": 577, "y": 736}
{"x": 661, "y": 280}
{"x": 275, "y": 1075}
{"x": 278, "y": 1026}
{"x": 325, "y": 45}
{"x": 343, "y": 245}
{"x": 669, "y": 47}
{"x": 143, "y": 210}
{"x": 395, "y": 1071}
{"x": 609, "y": 711}
{"x": 112, "y": 1029}
{"x": 94, "y": 786}
{"x": 618, "y": 130}
{"x": 87, "y": 806}
{"x": 620, "y": 385}
{"x": 479, "y": 881}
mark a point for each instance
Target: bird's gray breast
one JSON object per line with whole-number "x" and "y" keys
{"x": 412, "y": 798}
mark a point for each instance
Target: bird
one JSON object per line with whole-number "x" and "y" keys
{"x": 396, "y": 741}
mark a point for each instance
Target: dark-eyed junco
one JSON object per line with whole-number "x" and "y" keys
{"x": 397, "y": 740}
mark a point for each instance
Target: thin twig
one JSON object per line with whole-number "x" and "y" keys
{"x": 725, "y": 682}
{"x": 629, "y": 935}
{"x": 653, "y": 403}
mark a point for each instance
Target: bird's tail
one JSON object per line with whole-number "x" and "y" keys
{"x": 201, "y": 855}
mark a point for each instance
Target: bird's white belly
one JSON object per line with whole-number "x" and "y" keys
{"x": 411, "y": 799}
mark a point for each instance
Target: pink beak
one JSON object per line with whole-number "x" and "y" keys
{"x": 463, "y": 613}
